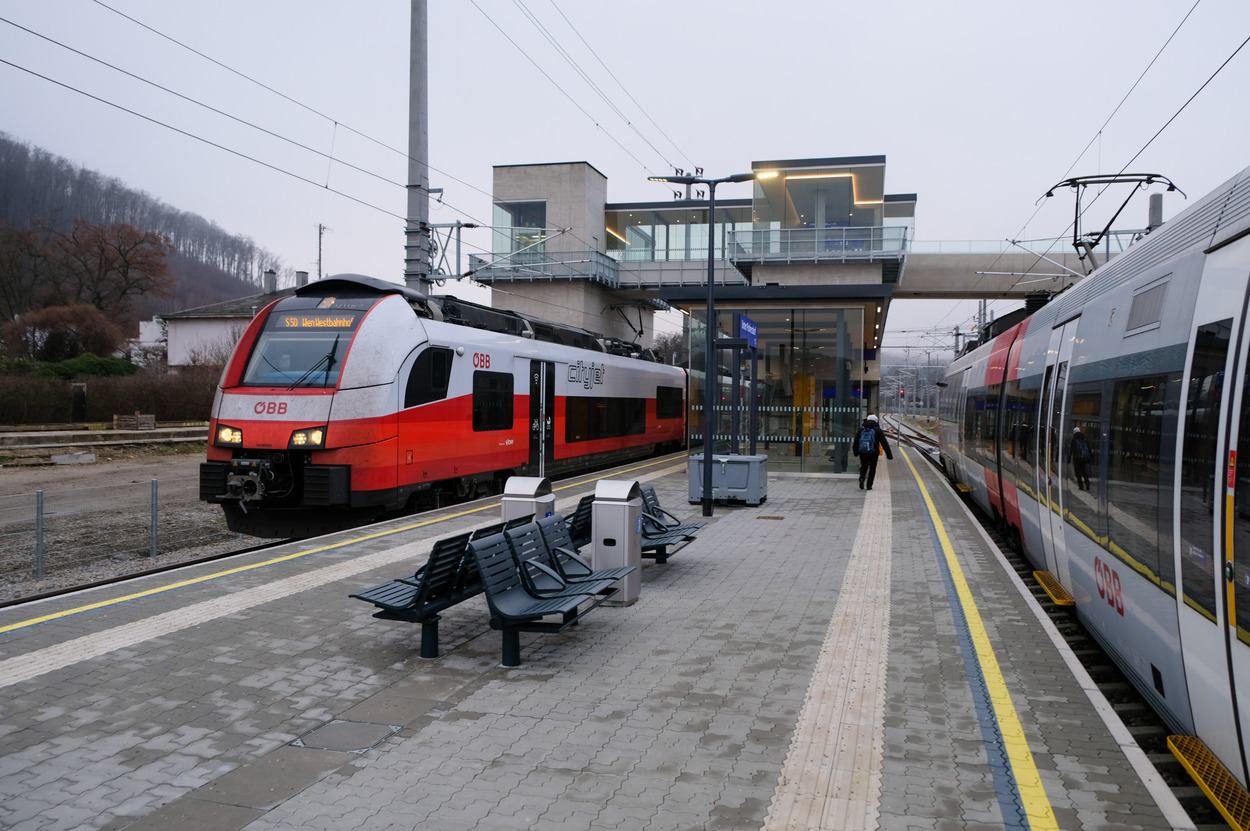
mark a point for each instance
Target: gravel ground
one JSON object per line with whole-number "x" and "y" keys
{"x": 97, "y": 517}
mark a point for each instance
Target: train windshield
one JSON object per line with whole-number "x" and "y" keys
{"x": 301, "y": 348}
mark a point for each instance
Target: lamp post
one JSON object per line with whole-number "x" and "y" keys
{"x": 709, "y": 362}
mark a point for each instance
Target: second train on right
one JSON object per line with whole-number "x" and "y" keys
{"x": 1103, "y": 432}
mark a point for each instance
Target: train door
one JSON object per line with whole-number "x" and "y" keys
{"x": 542, "y": 416}
{"x": 1212, "y": 504}
{"x": 1050, "y": 445}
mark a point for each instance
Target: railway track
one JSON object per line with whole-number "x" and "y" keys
{"x": 123, "y": 576}
{"x": 1143, "y": 723}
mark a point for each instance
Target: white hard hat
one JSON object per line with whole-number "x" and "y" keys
{"x": 871, "y": 418}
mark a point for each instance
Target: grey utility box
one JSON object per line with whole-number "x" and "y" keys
{"x": 525, "y": 495}
{"x": 734, "y": 479}
{"x": 616, "y": 533}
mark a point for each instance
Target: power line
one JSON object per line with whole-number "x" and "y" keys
{"x": 563, "y": 92}
{"x": 199, "y": 103}
{"x": 294, "y": 101}
{"x": 585, "y": 76}
{"x": 622, "y": 86}
{"x": 1098, "y": 133}
{"x": 209, "y": 142}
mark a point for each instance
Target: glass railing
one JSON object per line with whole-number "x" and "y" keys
{"x": 815, "y": 244}
{"x": 1114, "y": 243}
{"x": 531, "y": 266}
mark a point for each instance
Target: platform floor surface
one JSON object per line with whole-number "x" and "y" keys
{"x": 811, "y": 662}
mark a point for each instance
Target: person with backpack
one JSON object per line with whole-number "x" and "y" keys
{"x": 1078, "y": 454}
{"x": 867, "y": 441}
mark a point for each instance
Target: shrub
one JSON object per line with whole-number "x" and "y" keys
{"x": 182, "y": 396}
{"x": 87, "y": 366}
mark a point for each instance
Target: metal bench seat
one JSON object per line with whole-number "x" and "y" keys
{"x": 534, "y": 564}
{"x": 565, "y": 558}
{"x": 448, "y": 577}
{"x": 513, "y": 609}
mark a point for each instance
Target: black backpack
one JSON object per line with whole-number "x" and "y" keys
{"x": 1081, "y": 448}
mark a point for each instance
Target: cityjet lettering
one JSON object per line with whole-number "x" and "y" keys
{"x": 587, "y": 376}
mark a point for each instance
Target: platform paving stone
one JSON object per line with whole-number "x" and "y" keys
{"x": 676, "y": 712}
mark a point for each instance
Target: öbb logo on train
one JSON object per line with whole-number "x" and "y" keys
{"x": 481, "y": 360}
{"x": 1109, "y": 585}
{"x": 270, "y": 408}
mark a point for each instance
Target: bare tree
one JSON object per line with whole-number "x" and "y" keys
{"x": 107, "y": 266}
{"x": 672, "y": 344}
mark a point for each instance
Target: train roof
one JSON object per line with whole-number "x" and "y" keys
{"x": 451, "y": 309}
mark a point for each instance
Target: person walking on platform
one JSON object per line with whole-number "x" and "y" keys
{"x": 869, "y": 443}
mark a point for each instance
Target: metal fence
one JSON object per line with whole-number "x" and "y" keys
{"x": 113, "y": 529}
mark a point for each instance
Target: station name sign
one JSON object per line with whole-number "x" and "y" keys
{"x": 747, "y": 329}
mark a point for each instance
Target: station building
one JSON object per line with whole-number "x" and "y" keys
{"x": 812, "y": 257}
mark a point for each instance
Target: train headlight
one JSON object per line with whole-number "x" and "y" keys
{"x": 310, "y": 438}
{"x": 229, "y": 436}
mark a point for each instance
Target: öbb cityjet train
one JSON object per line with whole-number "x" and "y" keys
{"x": 356, "y": 398}
{"x": 1147, "y": 358}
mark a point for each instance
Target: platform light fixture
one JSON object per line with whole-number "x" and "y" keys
{"x": 709, "y": 363}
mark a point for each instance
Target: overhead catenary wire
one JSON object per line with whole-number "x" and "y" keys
{"x": 560, "y": 50}
{"x": 561, "y": 89}
{"x": 1099, "y": 132}
{"x": 612, "y": 75}
{"x": 296, "y": 102}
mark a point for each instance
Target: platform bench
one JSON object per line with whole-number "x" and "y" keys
{"x": 449, "y": 577}
{"x": 541, "y": 573}
{"x": 566, "y": 559}
{"x": 660, "y": 520}
{"x": 513, "y": 609}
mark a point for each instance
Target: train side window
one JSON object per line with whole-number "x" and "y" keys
{"x": 1018, "y": 430}
{"x": 589, "y": 419}
{"x": 492, "y": 401}
{"x": 1139, "y": 499}
{"x": 1199, "y": 465}
{"x": 429, "y": 378}
{"x": 668, "y": 402}
{"x": 1082, "y": 478}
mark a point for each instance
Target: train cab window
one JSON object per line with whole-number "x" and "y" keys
{"x": 301, "y": 348}
{"x": 1199, "y": 465}
{"x": 429, "y": 378}
{"x": 492, "y": 401}
{"x": 668, "y": 402}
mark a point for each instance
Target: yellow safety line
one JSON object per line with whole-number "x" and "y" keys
{"x": 148, "y": 592}
{"x": 1037, "y": 807}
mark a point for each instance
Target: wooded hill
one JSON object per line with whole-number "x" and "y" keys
{"x": 207, "y": 264}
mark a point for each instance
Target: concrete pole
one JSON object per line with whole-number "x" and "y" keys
{"x": 417, "y": 236}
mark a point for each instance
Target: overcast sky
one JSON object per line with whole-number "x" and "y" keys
{"x": 979, "y": 107}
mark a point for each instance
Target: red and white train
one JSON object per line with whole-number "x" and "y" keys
{"x": 1145, "y": 517}
{"x": 356, "y": 398}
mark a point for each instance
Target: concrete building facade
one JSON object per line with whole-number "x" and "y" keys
{"x": 813, "y": 258}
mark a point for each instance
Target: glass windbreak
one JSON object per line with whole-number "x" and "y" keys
{"x": 672, "y": 234}
{"x": 808, "y": 389}
{"x": 301, "y": 349}
{"x": 520, "y": 227}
